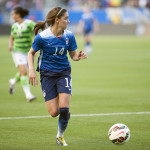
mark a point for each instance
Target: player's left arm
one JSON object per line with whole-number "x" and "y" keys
{"x": 11, "y": 40}
{"x": 72, "y": 49}
{"x": 77, "y": 55}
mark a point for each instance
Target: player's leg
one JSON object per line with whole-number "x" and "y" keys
{"x": 64, "y": 101}
{"x": 24, "y": 82}
{"x": 64, "y": 86}
{"x": 88, "y": 46}
{"x": 49, "y": 90}
{"x": 53, "y": 107}
{"x": 21, "y": 62}
{"x": 14, "y": 80}
{"x": 12, "y": 83}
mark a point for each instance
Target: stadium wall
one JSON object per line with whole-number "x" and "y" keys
{"x": 105, "y": 29}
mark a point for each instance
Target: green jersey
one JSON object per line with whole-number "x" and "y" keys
{"x": 22, "y": 34}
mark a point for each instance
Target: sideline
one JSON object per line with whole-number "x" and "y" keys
{"x": 79, "y": 115}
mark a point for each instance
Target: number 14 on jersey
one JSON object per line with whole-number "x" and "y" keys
{"x": 61, "y": 52}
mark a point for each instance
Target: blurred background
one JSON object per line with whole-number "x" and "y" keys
{"x": 114, "y": 16}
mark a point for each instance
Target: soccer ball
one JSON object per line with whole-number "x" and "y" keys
{"x": 119, "y": 133}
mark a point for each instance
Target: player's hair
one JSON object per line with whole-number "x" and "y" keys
{"x": 50, "y": 18}
{"x": 21, "y": 11}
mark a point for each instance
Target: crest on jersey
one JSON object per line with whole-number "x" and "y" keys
{"x": 44, "y": 93}
{"x": 67, "y": 41}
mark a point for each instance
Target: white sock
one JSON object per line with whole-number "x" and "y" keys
{"x": 25, "y": 86}
{"x": 13, "y": 81}
{"x": 59, "y": 133}
{"x": 26, "y": 89}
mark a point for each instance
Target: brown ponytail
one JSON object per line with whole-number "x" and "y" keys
{"x": 50, "y": 18}
{"x": 40, "y": 25}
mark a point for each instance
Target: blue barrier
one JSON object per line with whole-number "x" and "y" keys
{"x": 35, "y": 15}
{"x": 101, "y": 15}
{"x": 1, "y": 19}
{"x": 74, "y": 16}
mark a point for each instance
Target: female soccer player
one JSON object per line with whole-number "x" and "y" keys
{"x": 87, "y": 24}
{"x": 20, "y": 44}
{"x": 53, "y": 65}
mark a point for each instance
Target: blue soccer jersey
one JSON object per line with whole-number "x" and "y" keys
{"x": 88, "y": 20}
{"x": 53, "y": 50}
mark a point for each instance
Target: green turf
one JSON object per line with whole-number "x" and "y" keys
{"x": 115, "y": 78}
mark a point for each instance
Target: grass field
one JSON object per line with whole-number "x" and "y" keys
{"x": 115, "y": 78}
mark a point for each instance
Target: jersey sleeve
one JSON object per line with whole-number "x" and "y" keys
{"x": 72, "y": 44}
{"x": 36, "y": 45}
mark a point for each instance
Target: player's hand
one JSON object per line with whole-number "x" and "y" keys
{"x": 33, "y": 78}
{"x": 82, "y": 55}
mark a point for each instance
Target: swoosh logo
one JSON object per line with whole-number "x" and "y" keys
{"x": 50, "y": 43}
{"x": 120, "y": 133}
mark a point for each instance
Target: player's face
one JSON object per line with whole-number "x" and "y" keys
{"x": 64, "y": 20}
{"x": 15, "y": 16}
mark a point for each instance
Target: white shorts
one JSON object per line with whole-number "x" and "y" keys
{"x": 19, "y": 58}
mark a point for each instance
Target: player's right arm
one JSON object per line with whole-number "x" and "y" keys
{"x": 11, "y": 41}
{"x": 32, "y": 75}
{"x": 36, "y": 45}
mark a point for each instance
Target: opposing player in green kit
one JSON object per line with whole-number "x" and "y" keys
{"x": 19, "y": 44}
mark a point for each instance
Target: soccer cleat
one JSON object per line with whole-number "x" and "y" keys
{"x": 12, "y": 83}
{"x": 31, "y": 98}
{"x": 61, "y": 141}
